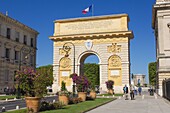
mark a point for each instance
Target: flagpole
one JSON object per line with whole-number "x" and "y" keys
{"x": 92, "y": 10}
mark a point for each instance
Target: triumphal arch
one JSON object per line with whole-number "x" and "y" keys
{"x": 107, "y": 37}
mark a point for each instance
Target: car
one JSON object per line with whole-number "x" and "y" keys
{"x": 49, "y": 89}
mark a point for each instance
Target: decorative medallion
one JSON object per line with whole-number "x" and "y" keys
{"x": 114, "y": 61}
{"x": 114, "y": 48}
{"x": 65, "y": 62}
{"x": 88, "y": 44}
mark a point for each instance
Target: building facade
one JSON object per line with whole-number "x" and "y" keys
{"x": 139, "y": 79}
{"x": 107, "y": 37}
{"x": 161, "y": 25}
{"x": 18, "y": 44}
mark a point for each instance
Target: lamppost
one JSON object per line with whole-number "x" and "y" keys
{"x": 67, "y": 48}
{"x": 28, "y": 52}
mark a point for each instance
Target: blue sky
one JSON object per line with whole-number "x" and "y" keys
{"x": 40, "y": 14}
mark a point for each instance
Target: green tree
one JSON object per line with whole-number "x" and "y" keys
{"x": 47, "y": 73}
{"x": 152, "y": 73}
{"x": 91, "y": 71}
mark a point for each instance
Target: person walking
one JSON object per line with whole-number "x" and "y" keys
{"x": 139, "y": 90}
{"x": 125, "y": 89}
{"x": 132, "y": 95}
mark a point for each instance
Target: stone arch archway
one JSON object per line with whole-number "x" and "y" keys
{"x": 104, "y": 36}
{"x": 81, "y": 59}
{"x": 83, "y": 56}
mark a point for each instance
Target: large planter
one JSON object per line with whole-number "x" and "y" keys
{"x": 110, "y": 91}
{"x": 82, "y": 95}
{"x": 33, "y": 104}
{"x": 93, "y": 95}
{"x": 63, "y": 99}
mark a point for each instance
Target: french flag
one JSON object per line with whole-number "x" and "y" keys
{"x": 88, "y": 9}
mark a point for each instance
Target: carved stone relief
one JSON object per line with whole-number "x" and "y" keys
{"x": 65, "y": 62}
{"x": 114, "y": 61}
{"x": 114, "y": 48}
{"x": 62, "y": 52}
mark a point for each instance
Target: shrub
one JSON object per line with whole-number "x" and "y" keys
{"x": 82, "y": 83}
{"x": 50, "y": 106}
{"x": 31, "y": 82}
{"x": 109, "y": 84}
{"x": 64, "y": 91}
{"x": 74, "y": 100}
{"x": 63, "y": 86}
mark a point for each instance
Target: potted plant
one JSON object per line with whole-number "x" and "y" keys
{"x": 64, "y": 94}
{"x": 109, "y": 85}
{"x": 82, "y": 85}
{"x": 33, "y": 85}
{"x": 92, "y": 92}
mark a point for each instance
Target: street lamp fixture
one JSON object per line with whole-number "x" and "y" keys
{"x": 27, "y": 51}
{"x": 67, "y": 48}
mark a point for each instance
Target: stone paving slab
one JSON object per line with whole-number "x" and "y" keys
{"x": 147, "y": 105}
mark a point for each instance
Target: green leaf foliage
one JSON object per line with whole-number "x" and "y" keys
{"x": 47, "y": 73}
{"x": 152, "y": 73}
{"x": 63, "y": 86}
{"x": 91, "y": 71}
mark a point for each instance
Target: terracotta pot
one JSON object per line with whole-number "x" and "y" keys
{"x": 93, "y": 95}
{"x": 82, "y": 95}
{"x": 33, "y": 104}
{"x": 63, "y": 99}
{"x": 110, "y": 91}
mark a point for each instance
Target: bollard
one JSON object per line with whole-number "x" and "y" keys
{"x": 14, "y": 98}
{"x": 143, "y": 96}
{"x": 123, "y": 95}
{"x": 17, "y": 107}
{"x": 119, "y": 97}
{"x": 6, "y": 99}
{"x": 53, "y": 101}
{"x": 113, "y": 95}
{"x": 103, "y": 95}
{"x": 3, "y": 109}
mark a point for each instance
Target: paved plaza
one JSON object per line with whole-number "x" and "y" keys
{"x": 141, "y": 104}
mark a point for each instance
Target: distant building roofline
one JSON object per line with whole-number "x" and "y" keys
{"x": 18, "y": 23}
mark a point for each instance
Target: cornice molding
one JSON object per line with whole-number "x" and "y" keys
{"x": 91, "y": 18}
{"x": 17, "y": 23}
{"x": 156, "y": 7}
{"x": 93, "y": 35}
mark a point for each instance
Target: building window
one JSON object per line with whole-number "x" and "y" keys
{"x": 16, "y": 55}
{"x": 7, "y": 53}
{"x": 8, "y": 33}
{"x": 32, "y": 42}
{"x": 32, "y": 60}
{"x": 17, "y": 36}
{"x": 25, "y": 39}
